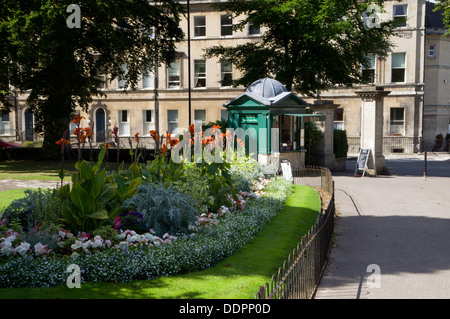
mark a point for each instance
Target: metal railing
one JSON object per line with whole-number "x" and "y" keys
{"x": 300, "y": 274}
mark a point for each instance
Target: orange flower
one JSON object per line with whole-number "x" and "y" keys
{"x": 77, "y": 131}
{"x": 136, "y": 137}
{"x": 115, "y": 130}
{"x": 62, "y": 141}
{"x": 174, "y": 142}
{"x": 192, "y": 129}
{"x": 163, "y": 149}
{"x": 107, "y": 145}
{"x": 77, "y": 119}
{"x": 154, "y": 135}
{"x": 88, "y": 132}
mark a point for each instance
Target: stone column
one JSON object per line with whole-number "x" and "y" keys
{"x": 372, "y": 102}
{"x": 326, "y": 147}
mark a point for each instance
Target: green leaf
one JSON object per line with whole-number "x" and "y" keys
{"x": 107, "y": 193}
{"x": 80, "y": 199}
{"x": 64, "y": 191}
{"x": 86, "y": 172}
{"x": 62, "y": 174}
{"x": 99, "y": 214}
{"x": 101, "y": 156}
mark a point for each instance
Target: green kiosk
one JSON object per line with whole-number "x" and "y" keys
{"x": 273, "y": 119}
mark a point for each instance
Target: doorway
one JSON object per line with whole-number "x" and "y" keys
{"x": 29, "y": 125}
{"x": 100, "y": 125}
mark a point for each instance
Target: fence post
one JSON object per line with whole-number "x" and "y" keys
{"x": 262, "y": 292}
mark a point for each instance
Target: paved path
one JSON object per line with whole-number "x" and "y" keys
{"x": 400, "y": 224}
{"x": 8, "y": 184}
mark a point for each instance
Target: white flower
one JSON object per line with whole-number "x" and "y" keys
{"x": 77, "y": 245}
{"x": 6, "y": 248}
{"x": 40, "y": 249}
{"x": 23, "y": 248}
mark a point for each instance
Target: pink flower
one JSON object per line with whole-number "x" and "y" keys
{"x": 117, "y": 222}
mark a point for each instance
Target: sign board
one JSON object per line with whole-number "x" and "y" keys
{"x": 287, "y": 170}
{"x": 365, "y": 161}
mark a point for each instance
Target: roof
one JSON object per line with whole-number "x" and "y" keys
{"x": 434, "y": 19}
{"x": 268, "y": 92}
{"x": 267, "y": 88}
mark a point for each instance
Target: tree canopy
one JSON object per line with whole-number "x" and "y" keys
{"x": 308, "y": 45}
{"x": 445, "y": 6}
{"x": 57, "y": 63}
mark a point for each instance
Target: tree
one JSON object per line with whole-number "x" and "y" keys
{"x": 308, "y": 45}
{"x": 444, "y": 5}
{"x": 55, "y": 52}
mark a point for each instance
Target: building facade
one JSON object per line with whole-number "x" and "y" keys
{"x": 416, "y": 70}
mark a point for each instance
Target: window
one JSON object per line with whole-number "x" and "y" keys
{"x": 339, "y": 119}
{"x": 199, "y": 117}
{"x": 124, "y": 123}
{"x": 148, "y": 81}
{"x": 253, "y": 29}
{"x": 147, "y": 121}
{"x": 226, "y": 25}
{"x": 398, "y": 67}
{"x": 72, "y": 128}
{"x": 368, "y": 72}
{"x": 5, "y": 128}
{"x": 432, "y": 51}
{"x": 173, "y": 75}
{"x": 226, "y": 73}
{"x": 172, "y": 120}
{"x": 199, "y": 26}
{"x": 199, "y": 73}
{"x": 102, "y": 84}
{"x": 400, "y": 15}
{"x": 224, "y": 115}
{"x": 122, "y": 80}
{"x": 397, "y": 121}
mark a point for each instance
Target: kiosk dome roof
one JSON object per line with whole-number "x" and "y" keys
{"x": 267, "y": 88}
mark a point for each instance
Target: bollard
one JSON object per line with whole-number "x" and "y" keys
{"x": 425, "y": 167}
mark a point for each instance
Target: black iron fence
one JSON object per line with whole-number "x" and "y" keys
{"x": 300, "y": 274}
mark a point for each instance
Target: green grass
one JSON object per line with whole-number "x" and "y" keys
{"x": 6, "y": 197}
{"x": 34, "y": 170}
{"x": 236, "y": 277}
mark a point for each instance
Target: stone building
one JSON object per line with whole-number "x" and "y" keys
{"x": 416, "y": 71}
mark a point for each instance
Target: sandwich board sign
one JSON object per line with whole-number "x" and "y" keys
{"x": 286, "y": 169}
{"x": 365, "y": 161}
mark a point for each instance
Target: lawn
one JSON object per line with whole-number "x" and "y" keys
{"x": 34, "y": 170}
{"x": 236, "y": 277}
{"x": 7, "y": 197}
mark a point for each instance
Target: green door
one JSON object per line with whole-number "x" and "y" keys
{"x": 249, "y": 123}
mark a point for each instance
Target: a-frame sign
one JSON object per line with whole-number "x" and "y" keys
{"x": 365, "y": 161}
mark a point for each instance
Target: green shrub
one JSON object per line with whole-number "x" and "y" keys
{"x": 312, "y": 139}
{"x": 165, "y": 210}
{"x": 38, "y": 206}
{"x": 195, "y": 184}
{"x": 244, "y": 172}
{"x": 340, "y": 143}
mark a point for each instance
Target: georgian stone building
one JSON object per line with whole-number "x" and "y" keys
{"x": 416, "y": 70}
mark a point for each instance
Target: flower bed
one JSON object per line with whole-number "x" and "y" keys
{"x": 132, "y": 256}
